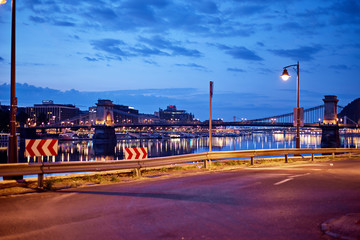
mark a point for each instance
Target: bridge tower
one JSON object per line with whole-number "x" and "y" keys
{"x": 330, "y": 137}
{"x": 104, "y": 128}
{"x": 104, "y": 112}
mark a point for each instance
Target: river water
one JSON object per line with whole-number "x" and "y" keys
{"x": 85, "y": 150}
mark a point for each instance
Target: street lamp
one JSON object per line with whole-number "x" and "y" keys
{"x": 285, "y": 76}
{"x": 210, "y": 117}
{"x": 12, "y": 154}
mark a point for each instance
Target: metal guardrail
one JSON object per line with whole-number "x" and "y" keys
{"x": 18, "y": 169}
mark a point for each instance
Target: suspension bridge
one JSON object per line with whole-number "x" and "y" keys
{"x": 312, "y": 117}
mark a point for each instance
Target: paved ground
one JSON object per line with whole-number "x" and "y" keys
{"x": 257, "y": 203}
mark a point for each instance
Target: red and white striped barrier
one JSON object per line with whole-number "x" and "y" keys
{"x": 41, "y": 147}
{"x": 135, "y": 153}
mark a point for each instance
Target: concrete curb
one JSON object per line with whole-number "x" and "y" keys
{"x": 344, "y": 227}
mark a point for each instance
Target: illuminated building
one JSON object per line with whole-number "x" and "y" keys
{"x": 48, "y": 112}
{"x": 173, "y": 114}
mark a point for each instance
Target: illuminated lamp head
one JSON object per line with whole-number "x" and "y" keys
{"x": 285, "y": 75}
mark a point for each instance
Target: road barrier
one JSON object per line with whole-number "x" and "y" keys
{"x": 19, "y": 169}
{"x": 135, "y": 153}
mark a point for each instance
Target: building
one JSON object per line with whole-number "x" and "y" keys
{"x": 148, "y": 119}
{"x": 49, "y": 112}
{"x": 171, "y": 113}
{"x": 125, "y": 114}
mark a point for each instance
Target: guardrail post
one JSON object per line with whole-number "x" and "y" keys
{"x": 333, "y": 155}
{"x": 252, "y": 161}
{"x": 41, "y": 175}
{"x": 349, "y": 154}
{"x": 137, "y": 172}
{"x": 40, "y": 181}
{"x": 286, "y": 158}
{"x": 207, "y": 163}
{"x": 312, "y": 157}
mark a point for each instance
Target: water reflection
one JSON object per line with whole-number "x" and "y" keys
{"x": 87, "y": 151}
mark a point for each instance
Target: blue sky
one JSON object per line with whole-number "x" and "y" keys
{"x": 153, "y": 53}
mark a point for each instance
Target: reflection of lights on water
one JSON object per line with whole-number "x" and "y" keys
{"x": 84, "y": 150}
{"x": 348, "y": 141}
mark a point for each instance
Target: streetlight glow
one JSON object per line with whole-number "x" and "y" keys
{"x": 2, "y": 1}
{"x": 285, "y": 75}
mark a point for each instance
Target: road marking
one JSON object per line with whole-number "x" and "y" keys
{"x": 290, "y": 178}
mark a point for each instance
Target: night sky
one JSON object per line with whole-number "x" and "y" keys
{"x": 152, "y": 53}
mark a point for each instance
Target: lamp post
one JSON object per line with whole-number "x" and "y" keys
{"x": 285, "y": 76}
{"x": 12, "y": 149}
{"x": 210, "y": 117}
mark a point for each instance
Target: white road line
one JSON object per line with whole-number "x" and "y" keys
{"x": 290, "y": 178}
{"x": 283, "y": 181}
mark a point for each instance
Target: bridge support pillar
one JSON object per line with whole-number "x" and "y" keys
{"x": 330, "y": 137}
{"x": 330, "y": 129}
{"x": 104, "y": 134}
{"x": 104, "y": 140}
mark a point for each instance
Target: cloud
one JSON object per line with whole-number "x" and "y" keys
{"x": 205, "y": 17}
{"x": 249, "y": 10}
{"x": 296, "y": 27}
{"x": 239, "y": 52}
{"x": 174, "y": 47}
{"x": 110, "y": 46}
{"x": 91, "y": 59}
{"x": 63, "y": 23}
{"x": 345, "y": 12}
{"x": 235, "y": 70}
{"x": 74, "y": 37}
{"x": 208, "y": 7}
{"x": 145, "y": 51}
{"x": 338, "y": 12}
{"x": 192, "y": 65}
{"x": 243, "y": 53}
{"x": 151, "y": 62}
{"x": 298, "y": 54}
{"x": 265, "y": 71}
{"x": 340, "y": 67}
{"x": 37, "y": 19}
{"x": 53, "y": 21}
{"x": 155, "y": 46}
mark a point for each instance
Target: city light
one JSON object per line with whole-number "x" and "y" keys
{"x": 2, "y": 1}
{"x": 285, "y": 75}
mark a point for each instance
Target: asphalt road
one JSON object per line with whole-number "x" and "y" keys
{"x": 254, "y": 203}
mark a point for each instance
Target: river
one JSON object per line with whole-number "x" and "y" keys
{"x": 85, "y": 150}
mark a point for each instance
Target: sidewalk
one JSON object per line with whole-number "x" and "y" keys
{"x": 345, "y": 227}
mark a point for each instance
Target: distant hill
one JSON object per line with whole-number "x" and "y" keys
{"x": 352, "y": 111}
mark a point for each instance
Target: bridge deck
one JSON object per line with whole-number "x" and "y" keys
{"x": 215, "y": 124}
